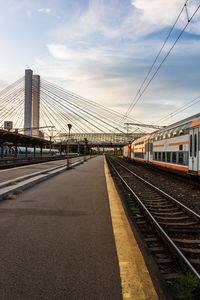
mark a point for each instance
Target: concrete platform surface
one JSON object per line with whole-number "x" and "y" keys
{"x": 57, "y": 239}
{"x": 11, "y": 173}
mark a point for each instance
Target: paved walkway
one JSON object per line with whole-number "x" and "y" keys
{"x": 57, "y": 240}
{"x": 9, "y": 174}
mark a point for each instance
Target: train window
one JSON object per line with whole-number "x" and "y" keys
{"x": 190, "y": 145}
{"x": 199, "y": 141}
{"x": 159, "y": 156}
{"x": 155, "y": 155}
{"x": 195, "y": 145}
{"x": 174, "y": 157}
{"x": 168, "y": 156}
{"x": 163, "y": 156}
{"x": 181, "y": 147}
{"x": 180, "y": 158}
{"x": 145, "y": 147}
{"x": 181, "y": 131}
{"x": 151, "y": 148}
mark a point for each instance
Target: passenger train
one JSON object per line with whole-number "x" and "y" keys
{"x": 10, "y": 151}
{"x": 176, "y": 147}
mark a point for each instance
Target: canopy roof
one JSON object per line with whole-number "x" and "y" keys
{"x": 17, "y": 138}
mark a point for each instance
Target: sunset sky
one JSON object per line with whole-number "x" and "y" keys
{"x": 102, "y": 50}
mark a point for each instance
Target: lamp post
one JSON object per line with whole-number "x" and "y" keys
{"x": 69, "y": 127}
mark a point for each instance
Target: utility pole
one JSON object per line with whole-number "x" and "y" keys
{"x": 68, "y": 150}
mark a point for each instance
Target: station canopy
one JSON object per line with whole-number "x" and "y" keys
{"x": 8, "y": 137}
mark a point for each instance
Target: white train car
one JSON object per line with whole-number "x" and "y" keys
{"x": 175, "y": 147}
{"x": 22, "y": 150}
{"x": 127, "y": 151}
{"x": 140, "y": 149}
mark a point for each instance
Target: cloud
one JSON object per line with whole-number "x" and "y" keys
{"x": 80, "y": 52}
{"x": 29, "y": 13}
{"x": 104, "y": 51}
{"x": 105, "y": 20}
{"x": 44, "y": 10}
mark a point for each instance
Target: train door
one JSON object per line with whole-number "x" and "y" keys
{"x": 129, "y": 151}
{"x": 193, "y": 149}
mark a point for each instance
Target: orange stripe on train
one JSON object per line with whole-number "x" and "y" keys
{"x": 158, "y": 146}
{"x": 179, "y": 143}
{"x": 140, "y": 159}
{"x": 195, "y": 123}
{"x": 171, "y": 166}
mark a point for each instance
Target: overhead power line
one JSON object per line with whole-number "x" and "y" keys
{"x": 141, "y": 90}
{"x": 180, "y": 109}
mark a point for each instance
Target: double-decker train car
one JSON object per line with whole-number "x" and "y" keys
{"x": 175, "y": 147}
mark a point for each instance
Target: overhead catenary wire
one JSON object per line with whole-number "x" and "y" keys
{"x": 180, "y": 109}
{"x": 158, "y": 55}
{"x": 140, "y": 94}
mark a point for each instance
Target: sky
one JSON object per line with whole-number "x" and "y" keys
{"x": 102, "y": 50}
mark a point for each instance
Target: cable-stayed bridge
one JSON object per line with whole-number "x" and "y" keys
{"x": 36, "y": 107}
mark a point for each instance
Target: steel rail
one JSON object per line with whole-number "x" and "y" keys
{"x": 157, "y": 226}
{"x": 184, "y": 207}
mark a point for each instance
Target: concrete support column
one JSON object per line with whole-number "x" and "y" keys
{"x": 16, "y": 150}
{"x": 26, "y": 150}
{"x": 36, "y": 105}
{"x": 41, "y": 150}
{"x": 34, "y": 150}
{"x": 2, "y": 151}
{"x": 28, "y": 102}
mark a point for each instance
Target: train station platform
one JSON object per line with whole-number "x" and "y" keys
{"x": 68, "y": 238}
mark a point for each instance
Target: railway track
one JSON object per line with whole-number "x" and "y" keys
{"x": 170, "y": 229}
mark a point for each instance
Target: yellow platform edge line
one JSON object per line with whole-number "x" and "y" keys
{"x": 135, "y": 278}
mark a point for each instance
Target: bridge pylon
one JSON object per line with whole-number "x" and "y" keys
{"x": 28, "y": 102}
{"x": 32, "y": 104}
{"x": 36, "y": 105}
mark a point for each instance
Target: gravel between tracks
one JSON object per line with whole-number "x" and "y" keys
{"x": 186, "y": 191}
